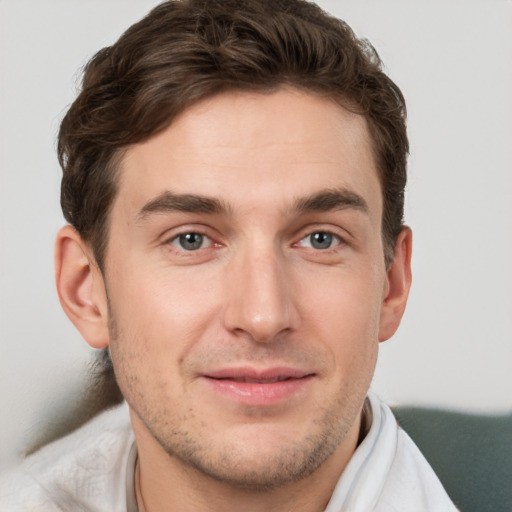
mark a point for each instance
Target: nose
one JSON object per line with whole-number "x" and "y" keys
{"x": 259, "y": 302}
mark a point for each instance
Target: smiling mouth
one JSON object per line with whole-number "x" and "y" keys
{"x": 251, "y": 380}
{"x": 259, "y": 388}
{"x": 258, "y": 376}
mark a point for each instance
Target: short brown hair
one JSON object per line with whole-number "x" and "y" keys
{"x": 187, "y": 50}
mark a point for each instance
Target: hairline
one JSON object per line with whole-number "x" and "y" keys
{"x": 115, "y": 165}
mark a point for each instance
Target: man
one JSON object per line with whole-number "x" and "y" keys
{"x": 233, "y": 181}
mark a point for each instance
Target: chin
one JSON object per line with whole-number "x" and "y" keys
{"x": 261, "y": 472}
{"x": 260, "y": 457}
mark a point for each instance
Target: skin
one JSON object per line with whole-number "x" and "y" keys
{"x": 257, "y": 295}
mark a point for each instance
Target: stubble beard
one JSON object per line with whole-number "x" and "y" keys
{"x": 223, "y": 461}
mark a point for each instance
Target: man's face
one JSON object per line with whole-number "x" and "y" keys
{"x": 245, "y": 276}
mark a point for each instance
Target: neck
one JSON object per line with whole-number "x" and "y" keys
{"x": 193, "y": 491}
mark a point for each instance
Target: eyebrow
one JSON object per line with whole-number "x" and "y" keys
{"x": 332, "y": 199}
{"x": 190, "y": 203}
{"x": 323, "y": 201}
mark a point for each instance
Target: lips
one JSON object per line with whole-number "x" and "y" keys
{"x": 256, "y": 387}
{"x": 259, "y": 381}
{"x": 248, "y": 373}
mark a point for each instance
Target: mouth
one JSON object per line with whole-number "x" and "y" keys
{"x": 257, "y": 381}
{"x": 260, "y": 388}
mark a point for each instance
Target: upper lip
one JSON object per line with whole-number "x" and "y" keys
{"x": 249, "y": 374}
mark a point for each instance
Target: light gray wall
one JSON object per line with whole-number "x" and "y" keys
{"x": 452, "y": 59}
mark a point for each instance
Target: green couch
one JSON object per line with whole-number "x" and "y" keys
{"x": 471, "y": 454}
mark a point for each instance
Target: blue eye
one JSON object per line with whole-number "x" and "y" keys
{"x": 320, "y": 240}
{"x": 190, "y": 241}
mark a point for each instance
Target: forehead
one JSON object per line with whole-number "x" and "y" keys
{"x": 259, "y": 147}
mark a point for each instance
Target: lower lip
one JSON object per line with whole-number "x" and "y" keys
{"x": 259, "y": 394}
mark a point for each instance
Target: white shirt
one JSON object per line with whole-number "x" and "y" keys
{"x": 388, "y": 473}
{"x": 91, "y": 470}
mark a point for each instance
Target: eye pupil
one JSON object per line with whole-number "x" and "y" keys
{"x": 321, "y": 240}
{"x": 191, "y": 241}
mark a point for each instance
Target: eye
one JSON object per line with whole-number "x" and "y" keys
{"x": 320, "y": 240}
{"x": 191, "y": 241}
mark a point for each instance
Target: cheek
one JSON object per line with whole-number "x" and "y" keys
{"x": 160, "y": 312}
{"x": 348, "y": 297}
{"x": 345, "y": 312}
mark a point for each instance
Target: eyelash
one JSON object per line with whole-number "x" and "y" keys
{"x": 178, "y": 240}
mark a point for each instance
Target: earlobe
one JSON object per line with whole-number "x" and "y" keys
{"x": 80, "y": 287}
{"x": 398, "y": 284}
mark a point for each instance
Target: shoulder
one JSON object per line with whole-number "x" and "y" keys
{"x": 76, "y": 471}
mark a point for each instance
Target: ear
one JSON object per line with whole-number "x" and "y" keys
{"x": 81, "y": 287}
{"x": 398, "y": 284}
